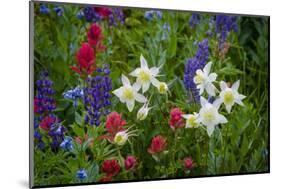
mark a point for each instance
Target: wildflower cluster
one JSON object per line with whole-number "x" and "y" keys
{"x": 150, "y": 15}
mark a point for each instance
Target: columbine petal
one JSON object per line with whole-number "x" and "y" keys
{"x": 145, "y": 87}
{"x": 154, "y": 71}
{"x": 228, "y": 108}
{"x": 155, "y": 82}
{"x": 207, "y": 68}
{"x": 118, "y": 92}
{"x": 210, "y": 88}
{"x": 217, "y": 103}
{"x": 136, "y": 86}
{"x": 140, "y": 98}
{"x": 143, "y": 62}
{"x": 223, "y": 85}
{"x": 125, "y": 80}
{"x": 135, "y": 72}
{"x": 203, "y": 101}
{"x": 210, "y": 129}
{"x": 130, "y": 105}
{"x": 238, "y": 101}
{"x": 222, "y": 119}
{"x": 235, "y": 85}
{"x": 213, "y": 77}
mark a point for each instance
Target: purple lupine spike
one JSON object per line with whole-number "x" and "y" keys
{"x": 193, "y": 64}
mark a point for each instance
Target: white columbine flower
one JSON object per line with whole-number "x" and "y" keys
{"x": 191, "y": 120}
{"x": 162, "y": 87}
{"x": 143, "y": 112}
{"x": 209, "y": 115}
{"x": 121, "y": 138}
{"x": 128, "y": 93}
{"x": 204, "y": 80}
{"x": 230, "y": 96}
{"x": 145, "y": 76}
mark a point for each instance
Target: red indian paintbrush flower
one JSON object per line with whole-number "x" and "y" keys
{"x": 94, "y": 35}
{"x": 114, "y": 123}
{"x": 176, "y": 119}
{"x": 111, "y": 167}
{"x": 47, "y": 122}
{"x": 188, "y": 163}
{"x": 130, "y": 162}
{"x": 158, "y": 144}
{"x": 86, "y": 60}
{"x": 102, "y": 11}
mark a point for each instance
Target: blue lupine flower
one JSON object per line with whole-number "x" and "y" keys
{"x": 117, "y": 15}
{"x": 90, "y": 14}
{"x": 194, "y": 20}
{"x": 193, "y": 64}
{"x": 44, "y": 9}
{"x": 74, "y": 95}
{"x": 166, "y": 31}
{"x": 57, "y": 134}
{"x": 97, "y": 96}
{"x": 58, "y": 10}
{"x": 67, "y": 144}
{"x": 149, "y": 15}
{"x": 224, "y": 25}
{"x": 80, "y": 14}
{"x": 167, "y": 27}
{"x": 81, "y": 174}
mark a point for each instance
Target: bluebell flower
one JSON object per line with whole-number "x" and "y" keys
{"x": 67, "y": 144}
{"x": 57, "y": 134}
{"x": 224, "y": 25}
{"x": 59, "y": 11}
{"x": 194, "y": 20}
{"x": 44, "y": 9}
{"x": 149, "y": 15}
{"x": 80, "y": 15}
{"x": 74, "y": 95}
{"x": 97, "y": 96}
{"x": 193, "y": 64}
{"x": 81, "y": 174}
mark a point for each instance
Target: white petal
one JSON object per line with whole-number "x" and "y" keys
{"x": 222, "y": 119}
{"x": 238, "y": 101}
{"x": 235, "y": 85}
{"x": 155, "y": 82}
{"x": 136, "y": 86}
{"x": 217, "y": 103}
{"x": 210, "y": 129}
{"x": 203, "y": 101}
{"x": 207, "y": 68}
{"x": 118, "y": 92}
{"x": 143, "y": 62}
{"x": 125, "y": 80}
{"x": 145, "y": 87}
{"x": 223, "y": 85}
{"x": 210, "y": 88}
{"x": 154, "y": 71}
{"x": 201, "y": 87}
{"x": 241, "y": 97}
{"x": 130, "y": 105}
{"x": 228, "y": 108}
{"x": 213, "y": 77}
{"x": 135, "y": 72}
{"x": 140, "y": 98}
{"x": 186, "y": 116}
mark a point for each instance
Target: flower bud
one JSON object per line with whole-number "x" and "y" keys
{"x": 121, "y": 138}
{"x": 162, "y": 87}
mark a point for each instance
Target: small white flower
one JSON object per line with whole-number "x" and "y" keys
{"x": 128, "y": 93}
{"x": 230, "y": 96}
{"x": 121, "y": 138}
{"x": 162, "y": 87}
{"x": 209, "y": 115}
{"x": 143, "y": 112}
{"x": 145, "y": 76}
{"x": 191, "y": 120}
{"x": 204, "y": 80}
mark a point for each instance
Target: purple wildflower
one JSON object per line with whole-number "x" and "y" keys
{"x": 193, "y": 64}
{"x": 194, "y": 20}
{"x": 97, "y": 96}
{"x": 224, "y": 25}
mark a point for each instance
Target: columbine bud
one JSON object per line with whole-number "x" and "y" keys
{"x": 121, "y": 138}
{"x": 162, "y": 87}
{"x": 143, "y": 112}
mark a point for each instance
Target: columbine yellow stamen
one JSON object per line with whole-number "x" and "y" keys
{"x": 128, "y": 94}
{"x": 209, "y": 116}
{"x": 144, "y": 76}
{"x": 199, "y": 78}
{"x": 192, "y": 121}
{"x": 163, "y": 88}
{"x": 228, "y": 98}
